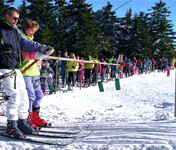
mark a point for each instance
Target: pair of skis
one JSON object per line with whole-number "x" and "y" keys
{"x": 69, "y": 135}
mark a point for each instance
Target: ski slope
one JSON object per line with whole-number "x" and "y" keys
{"x": 140, "y": 116}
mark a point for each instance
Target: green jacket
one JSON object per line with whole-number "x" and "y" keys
{"x": 27, "y": 59}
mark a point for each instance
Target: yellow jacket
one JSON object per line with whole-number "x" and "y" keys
{"x": 72, "y": 66}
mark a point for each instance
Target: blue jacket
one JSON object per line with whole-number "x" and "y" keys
{"x": 11, "y": 42}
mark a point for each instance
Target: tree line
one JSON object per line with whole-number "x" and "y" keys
{"x": 74, "y": 27}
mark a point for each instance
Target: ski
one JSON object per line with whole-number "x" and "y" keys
{"x": 55, "y": 131}
{"x": 57, "y": 134}
{"x": 29, "y": 139}
{"x": 68, "y": 127}
{"x": 68, "y": 131}
{"x": 64, "y": 136}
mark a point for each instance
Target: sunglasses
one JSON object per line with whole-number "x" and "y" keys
{"x": 15, "y": 18}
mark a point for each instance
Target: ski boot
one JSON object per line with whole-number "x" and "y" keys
{"x": 25, "y": 127}
{"x": 13, "y": 131}
{"x": 36, "y": 119}
{"x": 29, "y": 120}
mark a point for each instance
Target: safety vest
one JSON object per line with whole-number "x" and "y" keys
{"x": 27, "y": 59}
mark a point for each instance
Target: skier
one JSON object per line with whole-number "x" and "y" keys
{"x": 13, "y": 81}
{"x": 32, "y": 77}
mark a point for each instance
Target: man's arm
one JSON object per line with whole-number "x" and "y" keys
{"x": 25, "y": 44}
{"x": 29, "y": 45}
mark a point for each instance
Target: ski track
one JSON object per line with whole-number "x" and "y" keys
{"x": 133, "y": 136}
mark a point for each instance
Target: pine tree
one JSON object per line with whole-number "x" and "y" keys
{"x": 125, "y": 34}
{"x": 42, "y": 12}
{"x": 161, "y": 31}
{"x": 107, "y": 25}
{"x": 142, "y": 40}
{"x": 23, "y": 13}
{"x": 81, "y": 29}
{"x": 60, "y": 26}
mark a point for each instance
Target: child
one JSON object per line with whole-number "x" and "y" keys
{"x": 32, "y": 78}
{"x": 47, "y": 76}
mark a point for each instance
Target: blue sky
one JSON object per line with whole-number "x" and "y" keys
{"x": 135, "y": 5}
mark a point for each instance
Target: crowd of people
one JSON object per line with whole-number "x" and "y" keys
{"x": 84, "y": 74}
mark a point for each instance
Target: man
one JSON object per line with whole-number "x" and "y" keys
{"x": 57, "y": 67}
{"x": 64, "y": 70}
{"x": 10, "y": 44}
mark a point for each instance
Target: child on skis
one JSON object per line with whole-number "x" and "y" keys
{"x": 32, "y": 77}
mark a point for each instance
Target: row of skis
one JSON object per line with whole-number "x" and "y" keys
{"x": 55, "y": 135}
{"x": 51, "y": 135}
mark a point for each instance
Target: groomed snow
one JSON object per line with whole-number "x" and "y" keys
{"x": 140, "y": 116}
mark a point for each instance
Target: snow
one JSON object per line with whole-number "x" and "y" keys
{"x": 140, "y": 116}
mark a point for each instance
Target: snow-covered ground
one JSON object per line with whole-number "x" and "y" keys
{"x": 140, "y": 116}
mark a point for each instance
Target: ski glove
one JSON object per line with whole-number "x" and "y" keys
{"x": 39, "y": 55}
{"x": 47, "y": 49}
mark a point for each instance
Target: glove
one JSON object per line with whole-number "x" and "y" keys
{"x": 46, "y": 49}
{"x": 39, "y": 55}
{"x": 73, "y": 67}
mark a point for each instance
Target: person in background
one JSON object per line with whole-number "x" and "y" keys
{"x": 64, "y": 71}
{"x": 121, "y": 67}
{"x": 139, "y": 66}
{"x": 173, "y": 63}
{"x": 95, "y": 71}
{"x": 32, "y": 77}
{"x": 134, "y": 62}
{"x": 103, "y": 69}
{"x": 114, "y": 68}
{"x": 77, "y": 73}
{"x": 72, "y": 67}
{"x": 169, "y": 68}
{"x": 11, "y": 42}
{"x": 81, "y": 70}
{"x": 47, "y": 75}
{"x": 58, "y": 64}
{"x": 153, "y": 64}
{"x": 88, "y": 71}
